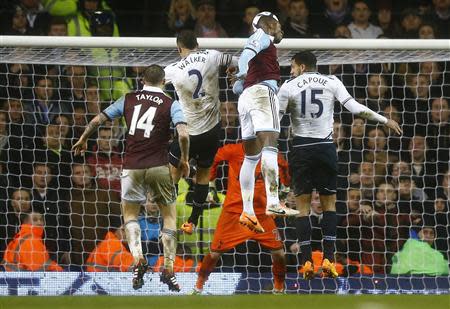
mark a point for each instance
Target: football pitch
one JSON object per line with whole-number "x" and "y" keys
{"x": 235, "y": 301}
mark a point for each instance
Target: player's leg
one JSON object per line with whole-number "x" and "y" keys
{"x": 325, "y": 182}
{"x": 174, "y": 162}
{"x": 252, "y": 150}
{"x": 266, "y": 123}
{"x": 204, "y": 148}
{"x": 209, "y": 262}
{"x": 278, "y": 270}
{"x": 160, "y": 183}
{"x": 133, "y": 196}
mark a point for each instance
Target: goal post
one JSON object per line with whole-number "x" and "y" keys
{"x": 389, "y": 188}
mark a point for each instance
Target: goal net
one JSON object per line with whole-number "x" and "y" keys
{"x": 393, "y": 192}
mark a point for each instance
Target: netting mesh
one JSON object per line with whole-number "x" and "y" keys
{"x": 389, "y": 188}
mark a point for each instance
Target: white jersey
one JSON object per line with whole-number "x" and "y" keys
{"x": 310, "y": 100}
{"x": 196, "y": 81}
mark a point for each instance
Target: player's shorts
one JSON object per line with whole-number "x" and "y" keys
{"x": 258, "y": 109}
{"x": 229, "y": 233}
{"x": 314, "y": 166}
{"x": 202, "y": 148}
{"x": 136, "y": 184}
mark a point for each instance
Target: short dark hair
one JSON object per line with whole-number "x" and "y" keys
{"x": 153, "y": 74}
{"x": 187, "y": 39}
{"x": 265, "y": 20}
{"x": 305, "y": 57}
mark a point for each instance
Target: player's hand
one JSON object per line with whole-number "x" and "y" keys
{"x": 80, "y": 147}
{"x": 354, "y": 178}
{"x": 185, "y": 168}
{"x": 365, "y": 209}
{"x": 295, "y": 248}
{"x": 231, "y": 71}
{"x": 393, "y": 125}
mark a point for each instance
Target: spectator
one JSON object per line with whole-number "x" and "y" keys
{"x": 376, "y": 96}
{"x": 427, "y": 31}
{"x": 354, "y": 146}
{"x": 27, "y": 251}
{"x": 10, "y": 220}
{"x": 377, "y": 153}
{"x": 361, "y": 28}
{"x": 365, "y": 179}
{"x": 90, "y": 210}
{"x": 60, "y": 8}
{"x": 80, "y": 24}
{"x": 229, "y": 122}
{"x": 438, "y": 131}
{"x": 93, "y": 103}
{"x": 247, "y": 27}
{"x": 410, "y": 197}
{"x": 57, "y": 27}
{"x": 64, "y": 126}
{"x": 441, "y": 15}
{"x": 385, "y": 21}
{"x": 423, "y": 165}
{"x": 56, "y": 213}
{"x": 391, "y": 112}
{"x": 16, "y": 81}
{"x": 297, "y": 25}
{"x": 281, "y": 10}
{"x": 150, "y": 223}
{"x": 342, "y": 32}
{"x": 418, "y": 257}
{"x": 181, "y": 16}
{"x": 206, "y": 25}
{"x": 336, "y": 13}
{"x": 106, "y": 162}
{"x": 111, "y": 254}
{"x": 398, "y": 169}
{"x": 410, "y": 23}
{"x": 17, "y": 22}
{"x": 36, "y": 16}
{"x": 433, "y": 70}
{"x": 79, "y": 121}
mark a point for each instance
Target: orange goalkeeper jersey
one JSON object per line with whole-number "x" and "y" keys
{"x": 234, "y": 155}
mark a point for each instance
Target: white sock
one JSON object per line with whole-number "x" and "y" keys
{"x": 269, "y": 168}
{"x": 169, "y": 240}
{"x": 133, "y": 232}
{"x": 247, "y": 181}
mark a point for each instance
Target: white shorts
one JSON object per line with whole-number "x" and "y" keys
{"x": 258, "y": 109}
{"x": 157, "y": 181}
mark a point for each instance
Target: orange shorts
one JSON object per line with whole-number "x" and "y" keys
{"x": 229, "y": 233}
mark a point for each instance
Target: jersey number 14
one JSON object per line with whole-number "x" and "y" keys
{"x": 144, "y": 123}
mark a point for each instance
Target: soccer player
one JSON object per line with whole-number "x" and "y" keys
{"x": 229, "y": 233}
{"x": 310, "y": 97}
{"x": 257, "y": 83}
{"x": 196, "y": 81}
{"x": 148, "y": 114}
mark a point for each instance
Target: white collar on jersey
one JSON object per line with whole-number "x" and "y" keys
{"x": 152, "y": 89}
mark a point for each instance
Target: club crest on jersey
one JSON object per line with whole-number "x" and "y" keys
{"x": 149, "y": 97}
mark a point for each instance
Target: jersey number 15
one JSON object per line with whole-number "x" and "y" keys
{"x": 313, "y": 100}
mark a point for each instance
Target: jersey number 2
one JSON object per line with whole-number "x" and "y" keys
{"x": 197, "y": 94}
{"x": 318, "y": 102}
{"x": 144, "y": 123}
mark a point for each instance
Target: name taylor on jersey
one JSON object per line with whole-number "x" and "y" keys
{"x": 149, "y": 97}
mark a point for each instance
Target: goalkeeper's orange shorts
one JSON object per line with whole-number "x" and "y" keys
{"x": 229, "y": 233}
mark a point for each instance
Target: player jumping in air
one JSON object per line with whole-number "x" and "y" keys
{"x": 257, "y": 84}
{"x": 229, "y": 233}
{"x": 310, "y": 97}
{"x": 196, "y": 81}
{"x": 148, "y": 114}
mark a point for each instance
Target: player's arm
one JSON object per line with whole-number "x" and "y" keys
{"x": 257, "y": 42}
{"x": 283, "y": 98}
{"x": 115, "y": 110}
{"x": 168, "y": 75}
{"x": 362, "y": 111}
{"x": 179, "y": 121}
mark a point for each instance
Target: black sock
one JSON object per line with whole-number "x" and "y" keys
{"x": 176, "y": 189}
{"x": 303, "y": 227}
{"x": 329, "y": 222}
{"x": 200, "y": 195}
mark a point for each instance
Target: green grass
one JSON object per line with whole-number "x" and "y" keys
{"x": 237, "y": 301}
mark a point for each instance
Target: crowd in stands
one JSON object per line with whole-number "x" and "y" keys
{"x": 393, "y": 192}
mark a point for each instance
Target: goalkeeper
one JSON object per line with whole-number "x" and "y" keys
{"x": 229, "y": 233}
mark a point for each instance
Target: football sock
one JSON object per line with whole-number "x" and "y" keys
{"x": 133, "y": 232}
{"x": 329, "y": 222}
{"x": 200, "y": 195}
{"x": 279, "y": 273}
{"x": 269, "y": 168}
{"x": 207, "y": 267}
{"x": 303, "y": 227}
{"x": 247, "y": 181}
{"x": 169, "y": 240}
{"x": 176, "y": 189}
